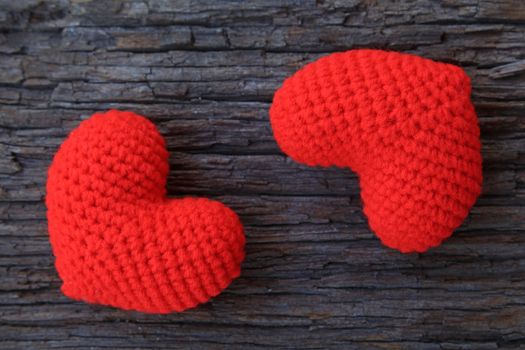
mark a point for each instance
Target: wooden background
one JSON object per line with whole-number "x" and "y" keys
{"x": 315, "y": 277}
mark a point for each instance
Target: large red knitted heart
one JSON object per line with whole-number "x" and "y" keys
{"x": 117, "y": 239}
{"x": 404, "y": 124}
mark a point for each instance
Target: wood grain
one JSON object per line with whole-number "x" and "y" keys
{"x": 315, "y": 277}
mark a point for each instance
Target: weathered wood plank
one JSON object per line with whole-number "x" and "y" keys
{"x": 315, "y": 277}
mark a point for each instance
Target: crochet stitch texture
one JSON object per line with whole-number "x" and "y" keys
{"x": 403, "y": 123}
{"x": 117, "y": 239}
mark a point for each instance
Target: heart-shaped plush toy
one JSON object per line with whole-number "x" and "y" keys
{"x": 117, "y": 239}
{"x": 403, "y": 123}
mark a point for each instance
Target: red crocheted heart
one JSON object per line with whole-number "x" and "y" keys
{"x": 404, "y": 124}
{"x": 117, "y": 239}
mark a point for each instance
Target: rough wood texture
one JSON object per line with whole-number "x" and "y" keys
{"x": 315, "y": 277}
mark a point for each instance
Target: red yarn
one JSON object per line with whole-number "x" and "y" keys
{"x": 403, "y": 123}
{"x": 117, "y": 239}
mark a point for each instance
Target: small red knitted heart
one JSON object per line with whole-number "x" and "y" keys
{"x": 117, "y": 239}
{"x": 403, "y": 123}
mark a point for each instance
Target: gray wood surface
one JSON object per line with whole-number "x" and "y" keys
{"x": 315, "y": 277}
